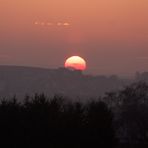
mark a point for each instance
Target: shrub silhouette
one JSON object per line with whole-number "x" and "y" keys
{"x": 130, "y": 109}
{"x": 133, "y": 115}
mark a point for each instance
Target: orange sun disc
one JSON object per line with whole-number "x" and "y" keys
{"x": 75, "y": 62}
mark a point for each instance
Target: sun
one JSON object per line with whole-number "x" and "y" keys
{"x": 75, "y": 62}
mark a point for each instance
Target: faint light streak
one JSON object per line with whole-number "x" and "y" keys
{"x": 59, "y": 24}
{"x": 36, "y": 23}
{"x": 66, "y": 24}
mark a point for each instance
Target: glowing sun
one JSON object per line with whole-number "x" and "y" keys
{"x": 75, "y": 62}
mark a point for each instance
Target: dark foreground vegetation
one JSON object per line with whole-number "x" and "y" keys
{"x": 119, "y": 119}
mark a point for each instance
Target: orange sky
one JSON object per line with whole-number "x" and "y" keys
{"x": 112, "y": 35}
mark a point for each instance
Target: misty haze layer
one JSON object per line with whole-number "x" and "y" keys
{"x": 21, "y": 81}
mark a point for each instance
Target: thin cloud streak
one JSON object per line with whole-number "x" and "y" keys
{"x": 39, "y": 23}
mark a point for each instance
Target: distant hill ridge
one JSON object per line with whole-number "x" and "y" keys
{"x": 21, "y": 81}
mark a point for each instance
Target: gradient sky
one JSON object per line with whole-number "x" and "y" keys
{"x": 111, "y": 35}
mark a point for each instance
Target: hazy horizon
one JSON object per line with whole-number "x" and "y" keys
{"x": 110, "y": 35}
{"x": 85, "y": 72}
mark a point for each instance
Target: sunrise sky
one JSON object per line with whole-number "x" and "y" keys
{"x": 111, "y": 35}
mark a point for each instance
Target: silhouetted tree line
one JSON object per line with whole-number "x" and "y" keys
{"x": 119, "y": 119}
{"x": 40, "y": 122}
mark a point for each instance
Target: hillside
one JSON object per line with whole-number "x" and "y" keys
{"x": 21, "y": 81}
